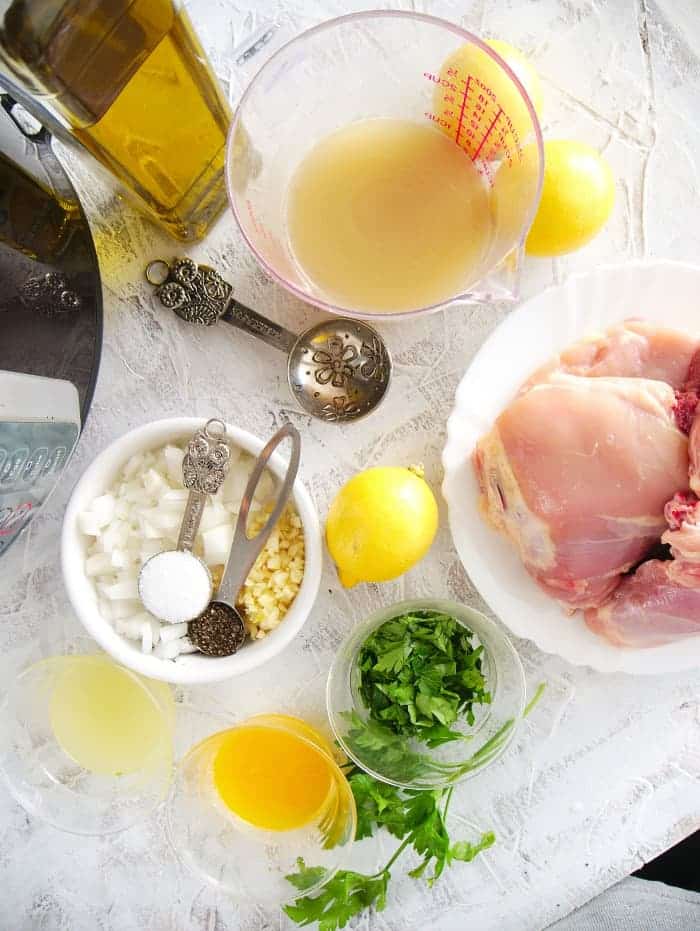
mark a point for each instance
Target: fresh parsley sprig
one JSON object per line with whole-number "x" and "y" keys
{"x": 383, "y": 751}
{"x": 417, "y": 818}
{"x": 344, "y": 896}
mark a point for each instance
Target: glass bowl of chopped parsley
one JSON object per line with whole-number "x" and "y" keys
{"x": 425, "y": 694}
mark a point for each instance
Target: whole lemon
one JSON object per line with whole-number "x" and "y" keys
{"x": 577, "y": 198}
{"x": 524, "y": 70}
{"x": 381, "y": 523}
{"x": 469, "y": 60}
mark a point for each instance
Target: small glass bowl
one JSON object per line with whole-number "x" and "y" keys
{"x": 409, "y": 763}
{"x": 66, "y": 791}
{"x": 248, "y": 862}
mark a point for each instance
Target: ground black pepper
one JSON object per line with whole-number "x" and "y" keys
{"x": 218, "y": 631}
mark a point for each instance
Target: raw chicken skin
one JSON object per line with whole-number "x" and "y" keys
{"x": 576, "y": 471}
{"x": 632, "y": 349}
{"x": 661, "y": 601}
{"x": 694, "y": 453}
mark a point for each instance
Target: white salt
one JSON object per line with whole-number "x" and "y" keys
{"x": 175, "y": 586}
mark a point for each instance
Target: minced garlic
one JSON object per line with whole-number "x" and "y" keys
{"x": 274, "y": 580}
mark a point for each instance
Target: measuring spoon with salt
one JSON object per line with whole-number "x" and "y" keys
{"x": 338, "y": 370}
{"x": 176, "y": 585}
{"x": 219, "y": 630}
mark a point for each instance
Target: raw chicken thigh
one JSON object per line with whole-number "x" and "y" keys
{"x": 577, "y": 472}
{"x": 661, "y": 601}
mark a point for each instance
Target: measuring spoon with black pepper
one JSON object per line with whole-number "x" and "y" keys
{"x": 219, "y": 630}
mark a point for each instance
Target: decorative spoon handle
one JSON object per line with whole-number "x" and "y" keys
{"x": 198, "y": 294}
{"x": 245, "y": 550}
{"x": 204, "y": 469}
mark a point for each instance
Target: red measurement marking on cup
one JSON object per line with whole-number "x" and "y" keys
{"x": 257, "y": 224}
{"x": 465, "y": 105}
{"x": 488, "y": 133}
{"x": 465, "y": 94}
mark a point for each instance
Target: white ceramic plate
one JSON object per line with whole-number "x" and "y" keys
{"x": 666, "y": 293}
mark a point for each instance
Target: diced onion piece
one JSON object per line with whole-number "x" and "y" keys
{"x": 173, "y": 462}
{"x": 134, "y": 465}
{"x": 150, "y": 532}
{"x": 217, "y": 543}
{"x": 146, "y": 637}
{"x": 98, "y": 564}
{"x": 186, "y": 646}
{"x": 130, "y": 627}
{"x": 173, "y": 632}
{"x": 265, "y": 489}
{"x": 124, "y": 588}
{"x": 155, "y": 484}
{"x": 115, "y": 536}
{"x": 167, "y": 650}
{"x": 88, "y": 524}
{"x": 162, "y": 518}
{"x": 234, "y": 486}
{"x": 125, "y": 607}
{"x": 215, "y": 514}
{"x": 120, "y": 558}
{"x": 102, "y": 509}
{"x": 105, "y": 608}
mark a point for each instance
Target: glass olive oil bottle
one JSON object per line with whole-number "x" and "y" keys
{"x": 135, "y": 85}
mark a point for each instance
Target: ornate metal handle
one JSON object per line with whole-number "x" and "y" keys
{"x": 198, "y": 294}
{"x": 245, "y": 550}
{"x": 204, "y": 469}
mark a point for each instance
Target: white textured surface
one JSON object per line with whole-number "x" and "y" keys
{"x": 606, "y": 771}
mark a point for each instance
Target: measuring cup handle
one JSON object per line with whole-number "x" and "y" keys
{"x": 245, "y": 551}
{"x": 254, "y": 324}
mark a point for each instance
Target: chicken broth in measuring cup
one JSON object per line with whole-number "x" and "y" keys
{"x": 387, "y": 215}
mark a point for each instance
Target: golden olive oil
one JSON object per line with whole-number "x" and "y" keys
{"x": 139, "y": 93}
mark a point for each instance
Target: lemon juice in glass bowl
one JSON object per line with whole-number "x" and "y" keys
{"x": 86, "y": 744}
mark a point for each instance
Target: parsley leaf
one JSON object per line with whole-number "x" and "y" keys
{"x": 429, "y": 835}
{"x": 381, "y": 749}
{"x": 466, "y": 852}
{"x": 344, "y": 896}
{"x": 438, "y": 734}
{"x": 307, "y": 876}
{"x": 420, "y": 673}
{"x": 377, "y": 804}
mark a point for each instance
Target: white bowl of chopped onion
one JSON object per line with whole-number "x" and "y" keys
{"x": 128, "y": 505}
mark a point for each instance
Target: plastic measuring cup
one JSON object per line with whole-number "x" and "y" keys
{"x": 86, "y": 744}
{"x": 386, "y": 65}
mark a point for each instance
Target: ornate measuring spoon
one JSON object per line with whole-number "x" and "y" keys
{"x": 176, "y": 585}
{"x": 219, "y": 630}
{"x": 338, "y": 370}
